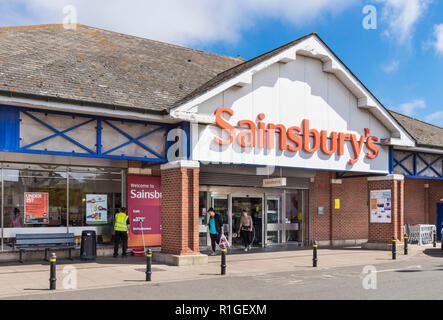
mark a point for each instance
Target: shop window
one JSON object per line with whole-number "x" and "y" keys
{"x": 36, "y": 196}
{"x": 94, "y": 198}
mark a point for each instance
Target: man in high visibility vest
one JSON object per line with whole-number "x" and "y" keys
{"x": 121, "y": 228}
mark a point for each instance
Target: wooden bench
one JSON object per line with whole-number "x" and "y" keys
{"x": 44, "y": 241}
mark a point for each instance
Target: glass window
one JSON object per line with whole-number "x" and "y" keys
{"x": 94, "y": 197}
{"x": 34, "y": 196}
{"x": 294, "y": 216}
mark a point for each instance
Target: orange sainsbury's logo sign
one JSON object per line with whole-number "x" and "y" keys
{"x": 292, "y": 134}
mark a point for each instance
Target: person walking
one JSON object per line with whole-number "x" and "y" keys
{"x": 215, "y": 225}
{"x": 121, "y": 228}
{"x": 245, "y": 229}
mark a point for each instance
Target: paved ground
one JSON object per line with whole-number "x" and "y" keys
{"x": 270, "y": 275}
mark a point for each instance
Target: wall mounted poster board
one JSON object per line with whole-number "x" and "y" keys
{"x": 36, "y": 208}
{"x": 96, "y": 209}
{"x": 380, "y": 206}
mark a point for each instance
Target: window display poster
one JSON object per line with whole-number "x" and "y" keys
{"x": 144, "y": 210}
{"x": 96, "y": 209}
{"x": 380, "y": 206}
{"x": 36, "y": 208}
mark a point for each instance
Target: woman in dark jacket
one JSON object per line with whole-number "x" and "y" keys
{"x": 215, "y": 225}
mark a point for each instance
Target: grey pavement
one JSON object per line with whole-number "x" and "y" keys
{"x": 270, "y": 275}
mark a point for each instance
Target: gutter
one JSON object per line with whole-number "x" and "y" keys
{"x": 108, "y": 106}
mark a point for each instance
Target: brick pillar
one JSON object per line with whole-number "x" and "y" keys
{"x": 427, "y": 207}
{"x": 180, "y": 185}
{"x": 383, "y": 232}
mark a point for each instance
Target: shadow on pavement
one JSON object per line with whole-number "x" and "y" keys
{"x": 434, "y": 252}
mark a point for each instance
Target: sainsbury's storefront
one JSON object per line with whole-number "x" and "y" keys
{"x": 291, "y": 136}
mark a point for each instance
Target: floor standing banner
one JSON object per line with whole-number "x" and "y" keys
{"x": 144, "y": 210}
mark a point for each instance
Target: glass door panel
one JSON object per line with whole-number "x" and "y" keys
{"x": 253, "y": 205}
{"x": 294, "y": 216}
{"x": 220, "y": 204}
{"x": 273, "y": 220}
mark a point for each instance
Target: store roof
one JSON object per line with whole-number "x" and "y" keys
{"x": 91, "y": 65}
{"x": 425, "y": 134}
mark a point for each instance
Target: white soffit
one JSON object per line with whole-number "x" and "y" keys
{"x": 312, "y": 47}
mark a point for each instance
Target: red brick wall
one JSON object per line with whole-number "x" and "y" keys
{"x": 348, "y": 222}
{"x": 351, "y": 220}
{"x": 415, "y": 203}
{"x": 320, "y": 197}
{"x": 180, "y": 188}
{"x": 421, "y": 202}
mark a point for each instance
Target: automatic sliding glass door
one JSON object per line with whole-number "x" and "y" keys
{"x": 254, "y": 206}
{"x": 220, "y": 203}
{"x": 274, "y": 225}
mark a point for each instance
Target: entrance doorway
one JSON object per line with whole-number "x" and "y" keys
{"x": 277, "y": 214}
{"x": 254, "y": 207}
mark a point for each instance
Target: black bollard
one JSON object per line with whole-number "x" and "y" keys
{"x": 406, "y": 244}
{"x": 394, "y": 248}
{"x": 434, "y": 239}
{"x": 148, "y": 264}
{"x": 223, "y": 260}
{"x": 314, "y": 259}
{"x": 52, "y": 277}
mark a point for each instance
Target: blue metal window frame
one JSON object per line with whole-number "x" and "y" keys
{"x": 418, "y": 155}
{"x": 13, "y": 143}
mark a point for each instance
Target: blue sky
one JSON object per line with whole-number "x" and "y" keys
{"x": 401, "y": 61}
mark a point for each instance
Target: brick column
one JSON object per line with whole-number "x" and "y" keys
{"x": 180, "y": 203}
{"x": 383, "y": 232}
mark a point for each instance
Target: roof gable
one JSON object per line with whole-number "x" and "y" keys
{"x": 310, "y": 46}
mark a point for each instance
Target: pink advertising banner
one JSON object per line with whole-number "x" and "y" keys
{"x": 144, "y": 210}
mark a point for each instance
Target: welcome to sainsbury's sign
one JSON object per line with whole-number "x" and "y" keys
{"x": 302, "y": 137}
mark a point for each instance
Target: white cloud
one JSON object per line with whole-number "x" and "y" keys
{"x": 435, "y": 118}
{"x": 402, "y": 16}
{"x": 391, "y": 67}
{"x": 410, "y": 107}
{"x": 177, "y": 21}
{"x": 438, "y": 32}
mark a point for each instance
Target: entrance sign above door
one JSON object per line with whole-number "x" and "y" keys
{"x": 274, "y": 182}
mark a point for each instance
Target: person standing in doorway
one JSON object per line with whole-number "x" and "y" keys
{"x": 215, "y": 225}
{"x": 121, "y": 228}
{"x": 245, "y": 229}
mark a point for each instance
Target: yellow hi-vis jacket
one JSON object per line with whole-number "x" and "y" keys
{"x": 120, "y": 222}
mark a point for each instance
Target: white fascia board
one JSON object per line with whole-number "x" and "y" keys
{"x": 314, "y": 48}
{"x": 88, "y": 110}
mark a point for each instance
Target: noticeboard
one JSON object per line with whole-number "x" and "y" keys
{"x": 380, "y": 206}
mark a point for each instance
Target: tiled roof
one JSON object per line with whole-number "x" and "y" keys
{"x": 87, "y": 65}
{"x": 425, "y": 134}
{"x": 102, "y": 67}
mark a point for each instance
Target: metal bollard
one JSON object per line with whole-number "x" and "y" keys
{"x": 394, "y": 248}
{"x": 314, "y": 259}
{"x": 223, "y": 260}
{"x": 52, "y": 277}
{"x": 148, "y": 264}
{"x": 434, "y": 239}
{"x": 406, "y": 244}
